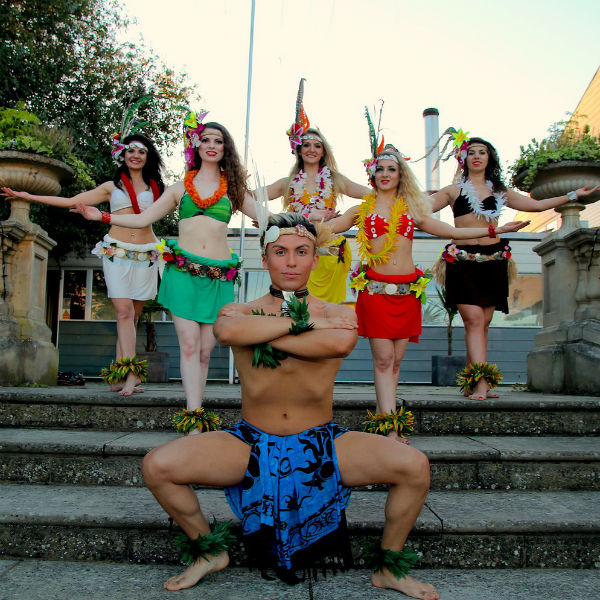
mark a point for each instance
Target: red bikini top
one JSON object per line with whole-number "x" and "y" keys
{"x": 376, "y": 226}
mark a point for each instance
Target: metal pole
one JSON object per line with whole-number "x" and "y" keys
{"x": 242, "y": 287}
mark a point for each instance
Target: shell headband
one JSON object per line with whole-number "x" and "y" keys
{"x": 128, "y": 126}
{"x": 274, "y": 232}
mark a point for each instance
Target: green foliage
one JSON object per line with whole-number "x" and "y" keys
{"x": 567, "y": 141}
{"x": 23, "y": 131}
{"x": 398, "y": 563}
{"x": 72, "y": 63}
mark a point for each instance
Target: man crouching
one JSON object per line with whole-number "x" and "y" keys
{"x": 287, "y": 469}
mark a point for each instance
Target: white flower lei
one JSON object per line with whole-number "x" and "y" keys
{"x": 322, "y": 191}
{"x": 467, "y": 189}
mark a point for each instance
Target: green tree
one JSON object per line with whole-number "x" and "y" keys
{"x": 67, "y": 62}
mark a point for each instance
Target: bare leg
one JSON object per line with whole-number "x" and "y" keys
{"x": 196, "y": 341}
{"x": 387, "y": 357}
{"x": 126, "y": 324}
{"x": 476, "y": 320}
{"x": 365, "y": 459}
{"x": 217, "y": 459}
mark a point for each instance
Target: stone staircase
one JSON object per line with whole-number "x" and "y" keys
{"x": 515, "y": 481}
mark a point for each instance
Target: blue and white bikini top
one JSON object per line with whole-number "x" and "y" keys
{"x": 119, "y": 199}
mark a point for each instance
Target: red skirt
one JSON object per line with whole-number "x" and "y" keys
{"x": 387, "y": 316}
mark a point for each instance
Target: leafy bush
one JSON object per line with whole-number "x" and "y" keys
{"x": 23, "y": 131}
{"x": 565, "y": 142}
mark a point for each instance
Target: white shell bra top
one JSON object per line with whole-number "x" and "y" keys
{"x": 120, "y": 199}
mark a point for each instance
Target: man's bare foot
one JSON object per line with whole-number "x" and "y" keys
{"x": 408, "y": 585}
{"x": 196, "y": 571}
{"x": 492, "y": 394}
{"x": 130, "y": 386}
{"x": 116, "y": 387}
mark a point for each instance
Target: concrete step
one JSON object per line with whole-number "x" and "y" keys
{"x": 457, "y": 462}
{"x": 42, "y": 580}
{"x": 437, "y": 410}
{"x": 455, "y": 529}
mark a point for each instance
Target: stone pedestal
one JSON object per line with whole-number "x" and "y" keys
{"x": 566, "y": 357}
{"x": 28, "y": 355}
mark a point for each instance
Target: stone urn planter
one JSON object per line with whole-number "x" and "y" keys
{"x": 556, "y": 179}
{"x": 33, "y": 173}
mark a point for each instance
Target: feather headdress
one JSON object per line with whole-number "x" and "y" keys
{"x": 129, "y": 125}
{"x": 301, "y": 122}
{"x": 375, "y": 145}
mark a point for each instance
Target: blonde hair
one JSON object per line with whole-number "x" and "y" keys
{"x": 328, "y": 160}
{"x": 419, "y": 203}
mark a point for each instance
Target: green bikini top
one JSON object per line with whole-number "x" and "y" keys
{"x": 220, "y": 210}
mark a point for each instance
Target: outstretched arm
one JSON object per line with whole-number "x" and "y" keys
{"x": 90, "y": 198}
{"x": 353, "y": 189}
{"x": 435, "y": 227}
{"x": 276, "y": 189}
{"x": 528, "y": 204}
{"x": 249, "y": 206}
{"x": 343, "y": 222}
{"x": 166, "y": 203}
{"x": 441, "y": 199}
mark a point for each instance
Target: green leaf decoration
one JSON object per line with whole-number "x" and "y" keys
{"x": 218, "y": 540}
{"x": 398, "y": 563}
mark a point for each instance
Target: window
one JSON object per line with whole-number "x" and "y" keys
{"x": 84, "y": 297}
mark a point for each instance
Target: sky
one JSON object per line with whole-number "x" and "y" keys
{"x": 502, "y": 70}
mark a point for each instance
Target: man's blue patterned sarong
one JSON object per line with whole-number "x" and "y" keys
{"x": 291, "y": 501}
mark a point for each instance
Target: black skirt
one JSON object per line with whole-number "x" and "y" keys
{"x": 478, "y": 283}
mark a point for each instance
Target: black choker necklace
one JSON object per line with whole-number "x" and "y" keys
{"x": 279, "y": 294}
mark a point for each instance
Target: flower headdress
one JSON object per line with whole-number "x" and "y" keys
{"x": 192, "y": 128}
{"x": 128, "y": 126}
{"x": 460, "y": 144}
{"x": 301, "y": 122}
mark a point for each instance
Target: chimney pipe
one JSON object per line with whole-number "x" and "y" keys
{"x": 432, "y": 134}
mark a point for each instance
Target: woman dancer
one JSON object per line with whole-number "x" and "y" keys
{"x": 200, "y": 268}
{"x": 312, "y": 189}
{"x": 476, "y": 272}
{"x": 128, "y": 255}
{"x": 390, "y": 288}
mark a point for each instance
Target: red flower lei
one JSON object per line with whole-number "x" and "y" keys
{"x": 193, "y": 194}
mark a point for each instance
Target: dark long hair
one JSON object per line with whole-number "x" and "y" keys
{"x": 151, "y": 170}
{"x": 230, "y": 164}
{"x": 493, "y": 171}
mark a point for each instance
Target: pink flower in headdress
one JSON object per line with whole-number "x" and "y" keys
{"x": 189, "y": 155}
{"x": 295, "y": 134}
{"x": 117, "y": 147}
{"x": 194, "y": 127}
{"x": 370, "y": 164}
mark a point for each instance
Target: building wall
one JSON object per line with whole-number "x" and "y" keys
{"x": 87, "y": 346}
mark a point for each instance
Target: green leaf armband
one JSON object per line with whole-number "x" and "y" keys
{"x": 298, "y": 311}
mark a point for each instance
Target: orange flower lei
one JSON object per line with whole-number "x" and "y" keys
{"x": 364, "y": 244}
{"x": 195, "y": 196}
